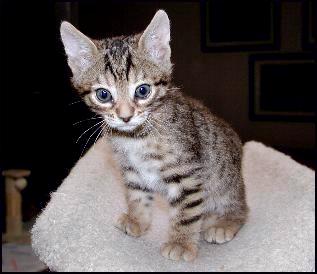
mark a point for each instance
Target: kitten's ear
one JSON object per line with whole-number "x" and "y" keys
{"x": 79, "y": 48}
{"x": 155, "y": 39}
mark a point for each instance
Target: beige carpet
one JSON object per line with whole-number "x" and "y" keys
{"x": 75, "y": 232}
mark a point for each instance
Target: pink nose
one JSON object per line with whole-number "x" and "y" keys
{"x": 126, "y": 119}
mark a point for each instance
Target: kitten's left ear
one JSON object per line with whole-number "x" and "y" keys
{"x": 154, "y": 41}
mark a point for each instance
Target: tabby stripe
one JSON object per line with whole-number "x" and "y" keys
{"x": 190, "y": 220}
{"x": 161, "y": 82}
{"x": 184, "y": 194}
{"x": 191, "y": 191}
{"x": 193, "y": 204}
{"x": 129, "y": 64}
{"x": 176, "y": 178}
{"x": 108, "y": 66}
{"x": 134, "y": 186}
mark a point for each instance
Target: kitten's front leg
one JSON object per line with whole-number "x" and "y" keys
{"x": 186, "y": 200}
{"x": 138, "y": 218}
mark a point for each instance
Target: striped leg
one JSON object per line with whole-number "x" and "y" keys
{"x": 138, "y": 218}
{"x": 186, "y": 200}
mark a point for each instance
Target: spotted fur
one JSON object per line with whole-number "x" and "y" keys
{"x": 172, "y": 145}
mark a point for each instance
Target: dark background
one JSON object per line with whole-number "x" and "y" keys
{"x": 39, "y": 107}
{"x": 284, "y": 81}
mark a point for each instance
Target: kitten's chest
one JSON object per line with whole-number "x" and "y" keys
{"x": 145, "y": 155}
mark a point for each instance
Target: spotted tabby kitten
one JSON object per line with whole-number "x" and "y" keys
{"x": 166, "y": 142}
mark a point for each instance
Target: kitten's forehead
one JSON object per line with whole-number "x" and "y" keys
{"x": 119, "y": 57}
{"x": 118, "y": 47}
{"x": 122, "y": 56}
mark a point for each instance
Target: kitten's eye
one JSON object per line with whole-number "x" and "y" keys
{"x": 103, "y": 95}
{"x": 142, "y": 91}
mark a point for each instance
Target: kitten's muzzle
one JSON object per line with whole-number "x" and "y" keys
{"x": 126, "y": 119}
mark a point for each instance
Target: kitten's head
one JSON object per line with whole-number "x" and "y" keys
{"x": 123, "y": 79}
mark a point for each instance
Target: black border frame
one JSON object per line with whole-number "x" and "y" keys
{"x": 243, "y": 47}
{"x": 275, "y": 56}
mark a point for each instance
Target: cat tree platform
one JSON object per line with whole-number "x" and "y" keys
{"x": 75, "y": 232}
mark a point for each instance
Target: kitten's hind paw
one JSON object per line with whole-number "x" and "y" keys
{"x": 129, "y": 226}
{"x": 176, "y": 251}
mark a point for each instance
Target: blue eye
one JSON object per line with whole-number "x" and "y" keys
{"x": 103, "y": 95}
{"x": 142, "y": 91}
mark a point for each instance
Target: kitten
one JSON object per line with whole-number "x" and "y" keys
{"x": 166, "y": 142}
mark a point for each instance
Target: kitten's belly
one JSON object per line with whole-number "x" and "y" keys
{"x": 132, "y": 153}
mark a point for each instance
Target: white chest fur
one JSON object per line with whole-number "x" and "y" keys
{"x": 132, "y": 152}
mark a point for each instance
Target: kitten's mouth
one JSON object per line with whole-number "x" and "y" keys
{"x": 128, "y": 127}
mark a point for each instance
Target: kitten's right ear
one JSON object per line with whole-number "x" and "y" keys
{"x": 80, "y": 50}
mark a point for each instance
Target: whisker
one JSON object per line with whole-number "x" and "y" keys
{"x": 76, "y": 102}
{"x": 89, "y": 139}
{"x": 103, "y": 126}
{"x": 93, "y": 118}
{"x": 174, "y": 88}
{"x": 88, "y": 130}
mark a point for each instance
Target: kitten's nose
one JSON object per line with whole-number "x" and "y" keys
{"x": 126, "y": 119}
{"x": 125, "y": 111}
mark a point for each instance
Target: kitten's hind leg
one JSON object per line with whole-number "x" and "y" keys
{"x": 139, "y": 216}
{"x": 221, "y": 229}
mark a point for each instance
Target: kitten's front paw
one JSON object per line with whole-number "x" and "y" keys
{"x": 129, "y": 226}
{"x": 175, "y": 251}
{"x": 219, "y": 235}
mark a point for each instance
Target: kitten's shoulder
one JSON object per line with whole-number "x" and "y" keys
{"x": 205, "y": 117}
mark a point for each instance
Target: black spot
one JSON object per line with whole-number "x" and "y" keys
{"x": 149, "y": 197}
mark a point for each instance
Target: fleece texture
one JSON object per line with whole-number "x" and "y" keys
{"x": 75, "y": 232}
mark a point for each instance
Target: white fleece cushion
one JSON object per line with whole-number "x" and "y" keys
{"x": 75, "y": 231}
